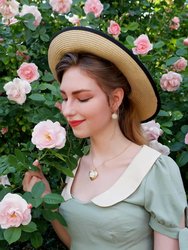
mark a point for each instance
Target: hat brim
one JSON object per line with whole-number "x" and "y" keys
{"x": 83, "y": 39}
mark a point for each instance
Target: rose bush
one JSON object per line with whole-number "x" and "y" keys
{"x": 33, "y": 96}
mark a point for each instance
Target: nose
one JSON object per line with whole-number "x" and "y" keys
{"x": 68, "y": 108}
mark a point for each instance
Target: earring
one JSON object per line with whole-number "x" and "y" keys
{"x": 114, "y": 116}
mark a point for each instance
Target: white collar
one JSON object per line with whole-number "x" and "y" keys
{"x": 126, "y": 184}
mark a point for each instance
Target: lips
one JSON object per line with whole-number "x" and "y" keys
{"x": 75, "y": 123}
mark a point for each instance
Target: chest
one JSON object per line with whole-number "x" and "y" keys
{"x": 84, "y": 189}
{"x": 122, "y": 223}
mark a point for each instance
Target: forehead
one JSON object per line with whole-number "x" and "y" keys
{"x": 75, "y": 78}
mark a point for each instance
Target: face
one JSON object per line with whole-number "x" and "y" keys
{"x": 85, "y": 105}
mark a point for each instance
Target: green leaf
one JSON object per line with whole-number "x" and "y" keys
{"x": 184, "y": 129}
{"x": 12, "y": 234}
{"x": 36, "y": 202}
{"x": 171, "y": 60}
{"x": 132, "y": 26}
{"x": 12, "y": 160}
{"x": 53, "y": 198}
{"x": 37, "y": 97}
{"x": 44, "y": 37}
{"x": 177, "y": 146}
{"x": 167, "y": 124}
{"x": 167, "y": 131}
{"x": 36, "y": 239}
{"x": 177, "y": 115}
{"x": 130, "y": 40}
{"x": 38, "y": 189}
{"x": 182, "y": 159}
{"x": 163, "y": 113}
{"x": 50, "y": 215}
{"x": 31, "y": 227}
{"x": 20, "y": 156}
{"x": 158, "y": 45}
{"x": 67, "y": 171}
{"x": 48, "y": 77}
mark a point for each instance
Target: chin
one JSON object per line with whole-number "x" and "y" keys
{"x": 80, "y": 135}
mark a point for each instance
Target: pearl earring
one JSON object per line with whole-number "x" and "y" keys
{"x": 114, "y": 116}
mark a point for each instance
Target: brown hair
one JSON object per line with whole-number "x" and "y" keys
{"x": 108, "y": 77}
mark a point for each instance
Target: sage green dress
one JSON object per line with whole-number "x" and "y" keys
{"x": 148, "y": 196}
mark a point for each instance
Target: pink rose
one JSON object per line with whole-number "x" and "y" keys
{"x": 47, "y": 134}
{"x": 26, "y": 9}
{"x": 185, "y": 41}
{"x": 151, "y": 130}
{"x": 180, "y": 64}
{"x": 175, "y": 23}
{"x": 186, "y": 138}
{"x": 93, "y": 6}
{"x": 4, "y": 130}
{"x": 9, "y": 9}
{"x": 75, "y": 20}
{"x": 4, "y": 180}
{"x": 143, "y": 45}
{"x": 14, "y": 211}
{"x": 28, "y": 72}
{"x": 10, "y": 21}
{"x": 17, "y": 89}
{"x": 61, "y": 6}
{"x": 175, "y": 19}
{"x": 174, "y": 26}
{"x": 170, "y": 81}
{"x": 163, "y": 149}
{"x": 114, "y": 29}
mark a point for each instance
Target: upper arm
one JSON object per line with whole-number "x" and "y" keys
{"x": 163, "y": 242}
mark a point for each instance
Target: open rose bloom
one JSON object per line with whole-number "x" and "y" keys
{"x": 142, "y": 45}
{"x": 9, "y": 9}
{"x": 17, "y": 89}
{"x": 152, "y": 130}
{"x": 175, "y": 23}
{"x": 31, "y": 9}
{"x": 28, "y": 72}
{"x": 114, "y": 29}
{"x": 14, "y": 211}
{"x": 180, "y": 64}
{"x": 170, "y": 81}
{"x": 93, "y": 6}
{"x": 61, "y": 6}
{"x": 48, "y": 134}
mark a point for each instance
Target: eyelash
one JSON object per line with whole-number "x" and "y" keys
{"x": 80, "y": 100}
{"x": 84, "y": 100}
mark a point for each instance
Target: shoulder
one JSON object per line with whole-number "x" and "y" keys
{"x": 165, "y": 176}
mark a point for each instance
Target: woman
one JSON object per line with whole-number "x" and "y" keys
{"x": 124, "y": 195}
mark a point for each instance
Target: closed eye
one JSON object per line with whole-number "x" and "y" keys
{"x": 84, "y": 100}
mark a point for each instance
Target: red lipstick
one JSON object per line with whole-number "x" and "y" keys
{"x": 75, "y": 123}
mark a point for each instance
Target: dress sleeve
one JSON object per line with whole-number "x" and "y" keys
{"x": 165, "y": 200}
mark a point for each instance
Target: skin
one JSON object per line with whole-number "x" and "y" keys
{"x": 84, "y": 101}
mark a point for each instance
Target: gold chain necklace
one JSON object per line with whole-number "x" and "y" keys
{"x": 93, "y": 173}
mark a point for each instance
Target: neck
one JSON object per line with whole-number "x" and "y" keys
{"x": 105, "y": 144}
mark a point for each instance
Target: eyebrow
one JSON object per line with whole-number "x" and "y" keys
{"x": 77, "y": 91}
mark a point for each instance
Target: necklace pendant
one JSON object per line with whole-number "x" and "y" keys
{"x": 93, "y": 174}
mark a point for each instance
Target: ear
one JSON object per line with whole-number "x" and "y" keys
{"x": 116, "y": 98}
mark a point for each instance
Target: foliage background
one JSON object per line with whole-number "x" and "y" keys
{"x": 151, "y": 17}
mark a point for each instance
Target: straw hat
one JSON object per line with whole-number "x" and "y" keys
{"x": 84, "y": 39}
